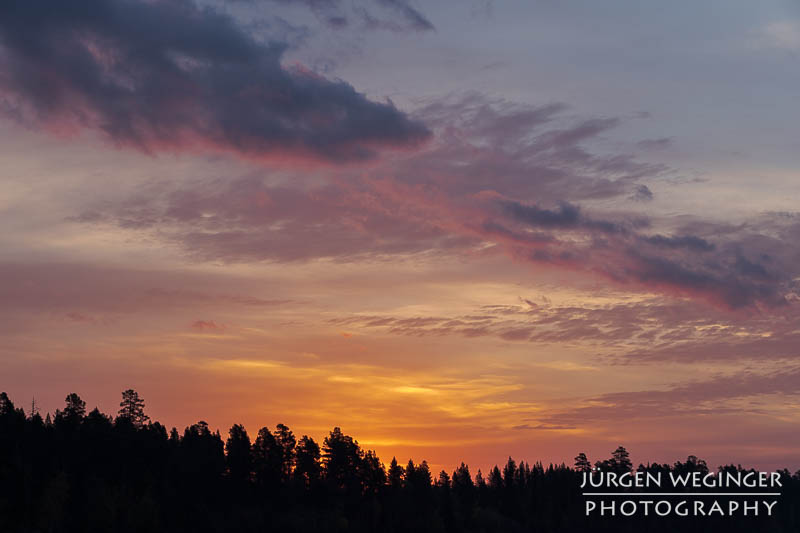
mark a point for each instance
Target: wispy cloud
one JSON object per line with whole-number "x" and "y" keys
{"x": 703, "y": 397}
{"x": 497, "y": 177}
{"x": 392, "y": 15}
{"x": 783, "y": 34}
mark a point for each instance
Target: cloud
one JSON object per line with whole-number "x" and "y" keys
{"x": 80, "y": 318}
{"x": 784, "y": 34}
{"x": 207, "y": 325}
{"x": 497, "y": 177}
{"x": 311, "y": 4}
{"x": 655, "y": 144}
{"x": 82, "y": 292}
{"x": 399, "y": 15}
{"x": 649, "y": 331}
{"x": 565, "y": 216}
{"x": 414, "y": 18}
{"x": 736, "y": 345}
{"x": 617, "y": 249}
{"x": 328, "y": 11}
{"x": 686, "y": 241}
{"x": 248, "y": 219}
{"x": 642, "y": 193}
{"x": 422, "y": 202}
{"x": 723, "y": 283}
{"x": 543, "y": 427}
{"x": 713, "y": 396}
{"x": 172, "y": 76}
{"x": 742, "y": 271}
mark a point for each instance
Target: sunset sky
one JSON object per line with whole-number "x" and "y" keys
{"x": 459, "y": 230}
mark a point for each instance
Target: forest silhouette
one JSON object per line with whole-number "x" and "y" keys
{"x": 90, "y": 472}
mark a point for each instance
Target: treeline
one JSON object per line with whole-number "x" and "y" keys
{"x": 89, "y": 472}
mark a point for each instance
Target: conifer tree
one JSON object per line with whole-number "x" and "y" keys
{"x": 132, "y": 408}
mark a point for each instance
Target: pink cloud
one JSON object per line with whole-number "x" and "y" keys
{"x": 208, "y": 325}
{"x": 497, "y": 178}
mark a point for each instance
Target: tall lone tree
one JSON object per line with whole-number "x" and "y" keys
{"x": 132, "y": 408}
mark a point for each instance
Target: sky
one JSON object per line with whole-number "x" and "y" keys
{"x": 458, "y": 230}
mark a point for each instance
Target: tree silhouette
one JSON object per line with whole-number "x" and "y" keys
{"x": 621, "y": 461}
{"x": 239, "y": 458}
{"x": 371, "y": 473}
{"x": 480, "y": 482}
{"x": 75, "y": 408}
{"x": 267, "y": 459}
{"x": 509, "y": 473}
{"x": 341, "y": 457}
{"x": 203, "y": 454}
{"x": 307, "y": 461}
{"x": 132, "y": 408}
{"x": 462, "y": 480}
{"x": 418, "y": 476}
{"x": 464, "y": 490}
{"x": 286, "y": 442}
{"x": 495, "y": 478}
{"x": 395, "y": 474}
{"x": 84, "y": 473}
{"x": 582, "y": 464}
{"x": 6, "y": 405}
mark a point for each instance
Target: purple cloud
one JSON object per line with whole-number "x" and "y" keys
{"x": 172, "y": 76}
{"x": 517, "y": 178}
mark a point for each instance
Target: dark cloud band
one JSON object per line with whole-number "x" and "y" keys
{"x": 170, "y": 75}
